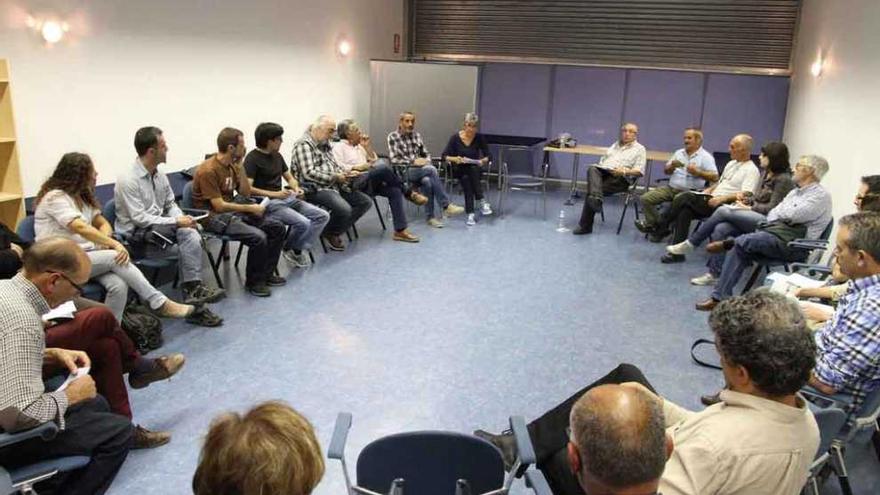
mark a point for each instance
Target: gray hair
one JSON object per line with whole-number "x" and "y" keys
{"x": 816, "y": 163}
{"x": 864, "y": 232}
{"x": 471, "y": 118}
{"x": 344, "y": 127}
{"x": 622, "y": 446}
{"x": 746, "y": 141}
{"x": 322, "y": 120}
{"x": 766, "y": 333}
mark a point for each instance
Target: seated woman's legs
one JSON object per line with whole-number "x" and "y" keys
{"x": 104, "y": 261}
{"x": 467, "y": 188}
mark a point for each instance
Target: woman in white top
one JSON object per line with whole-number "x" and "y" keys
{"x": 66, "y": 207}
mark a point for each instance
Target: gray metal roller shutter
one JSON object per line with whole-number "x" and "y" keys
{"x": 751, "y": 36}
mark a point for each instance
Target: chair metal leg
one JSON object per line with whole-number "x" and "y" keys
{"x": 323, "y": 245}
{"x": 839, "y": 467}
{"x": 602, "y": 211}
{"x": 312, "y": 256}
{"x": 379, "y": 212}
{"x": 214, "y": 267}
{"x": 753, "y": 278}
{"x": 623, "y": 214}
{"x": 354, "y": 230}
{"x": 238, "y": 255}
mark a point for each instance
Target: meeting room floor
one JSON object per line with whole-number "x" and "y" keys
{"x": 458, "y": 332}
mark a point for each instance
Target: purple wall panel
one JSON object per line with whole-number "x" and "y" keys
{"x": 735, "y": 104}
{"x": 514, "y": 99}
{"x": 663, "y": 103}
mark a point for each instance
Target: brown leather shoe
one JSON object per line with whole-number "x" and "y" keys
{"x": 707, "y": 305}
{"x": 716, "y": 247}
{"x": 335, "y": 242}
{"x": 146, "y": 439}
{"x": 404, "y": 236}
{"x": 165, "y": 367}
{"x": 417, "y": 198}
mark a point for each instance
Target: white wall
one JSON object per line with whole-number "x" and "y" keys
{"x": 835, "y": 115}
{"x": 190, "y": 67}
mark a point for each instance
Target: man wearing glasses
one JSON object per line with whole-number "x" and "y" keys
{"x": 53, "y": 272}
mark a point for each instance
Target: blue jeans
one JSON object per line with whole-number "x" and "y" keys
{"x": 748, "y": 249}
{"x": 739, "y": 220}
{"x": 430, "y": 185}
{"x": 382, "y": 180}
{"x": 305, "y": 222}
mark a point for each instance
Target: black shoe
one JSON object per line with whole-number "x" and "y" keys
{"x": 505, "y": 443}
{"x": 644, "y": 227}
{"x": 710, "y": 400}
{"x": 199, "y": 293}
{"x": 672, "y": 258}
{"x": 582, "y": 230}
{"x": 204, "y": 317}
{"x": 259, "y": 290}
{"x": 276, "y": 281}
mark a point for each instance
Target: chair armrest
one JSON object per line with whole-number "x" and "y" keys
{"x": 194, "y": 212}
{"x": 809, "y": 244}
{"x": 340, "y": 436}
{"x": 535, "y": 479}
{"x": 523, "y": 442}
{"x": 810, "y": 268}
{"x": 824, "y": 400}
{"x": 46, "y": 431}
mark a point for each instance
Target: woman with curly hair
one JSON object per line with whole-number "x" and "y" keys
{"x": 66, "y": 206}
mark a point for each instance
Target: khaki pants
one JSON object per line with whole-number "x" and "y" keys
{"x": 655, "y": 197}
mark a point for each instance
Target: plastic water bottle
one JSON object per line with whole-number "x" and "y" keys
{"x": 560, "y": 227}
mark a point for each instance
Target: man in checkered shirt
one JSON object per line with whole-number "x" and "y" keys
{"x": 53, "y": 272}
{"x": 407, "y": 150}
{"x": 849, "y": 343}
{"x": 327, "y": 184}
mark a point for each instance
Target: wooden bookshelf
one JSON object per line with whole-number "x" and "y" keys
{"x": 11, "y": 195}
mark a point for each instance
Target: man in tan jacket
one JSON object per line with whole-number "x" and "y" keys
{"x": 761, "y": 437}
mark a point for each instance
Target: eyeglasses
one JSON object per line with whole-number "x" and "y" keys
{"x": 79, "y": 288}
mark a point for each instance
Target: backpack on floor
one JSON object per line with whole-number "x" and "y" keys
{"x": 142, "y": 327}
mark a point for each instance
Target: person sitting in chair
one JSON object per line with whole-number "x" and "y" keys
{"x": 468, "y": 153}
{"x": 624, "y": 162}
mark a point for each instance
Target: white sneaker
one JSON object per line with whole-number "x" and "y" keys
{"x": 485, "y": 209}
{"x": 706, "y": 279}
{"x": 471, "y": 221}
{"x": 681, "y": 248}
{"x": 300, "y": 260}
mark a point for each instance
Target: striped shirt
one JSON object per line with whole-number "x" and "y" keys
{"x": 403, "y": 149}
{"x": 314, "y": 166}
{"x": 22, "y": 342}
{"x": 632, "y": 156}
{"x": 849, "y": 344}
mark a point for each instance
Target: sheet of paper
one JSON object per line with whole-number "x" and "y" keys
{"x": 62, "y": 312}
{"x": 73, "y": 376}
{"x": 470, "y": 161}
{"x": 264, "y": 202}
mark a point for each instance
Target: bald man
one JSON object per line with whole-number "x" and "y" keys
{"x": 739, "y": 175}
{"x": 54, "y": 271}
{"x": 618, "y": 443}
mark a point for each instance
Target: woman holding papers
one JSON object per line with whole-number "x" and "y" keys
{"x": 66, "y": 206}
{"x": 468, "y": 153}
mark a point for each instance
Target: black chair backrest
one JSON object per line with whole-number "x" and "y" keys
{"x": 430, "y": 462}
{"x": 26, "y": 229}
{"x": 186, "y": 199}
{"x": 109, "y": 212}
{"x": 722, "y": 157}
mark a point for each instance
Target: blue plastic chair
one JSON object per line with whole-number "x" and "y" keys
{"x": 431, "y": 462}
{"x": 23, "y": 478}
{"x": 26, "y": 231}
{"x": 154, "y": 265}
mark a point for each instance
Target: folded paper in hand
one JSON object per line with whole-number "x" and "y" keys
{"x": 80, "y": 372}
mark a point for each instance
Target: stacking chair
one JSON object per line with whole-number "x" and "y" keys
{"x": 830, "y": 421}
{"x": 630, "y": 196}
{"x": 186, "y": 204}
{"x": 154, "y": 265}
{"x": 523, "y": 182}
{"x": 431, "y": 462}
{"x": 858, "y": 425}
{"x": 814, "y": 246}
{"x": 22, "y": 479}
{"x": 25, "y": 230}
{"x": 536, "y": 481}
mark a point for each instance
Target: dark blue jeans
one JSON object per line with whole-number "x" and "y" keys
{"x": 748, "y": 249}
{"x": 382, "y": 180}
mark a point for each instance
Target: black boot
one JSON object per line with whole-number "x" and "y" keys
{"x": 585, "y": 225}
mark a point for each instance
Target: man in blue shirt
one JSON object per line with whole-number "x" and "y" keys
{"x": 805, "y": 212}
{"x": 690, "y": 168}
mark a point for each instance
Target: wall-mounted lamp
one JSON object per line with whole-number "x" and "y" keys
{"x": 343, "y": 47}
{"x": 51, "y": 30}
{"x": 817, "y": 67}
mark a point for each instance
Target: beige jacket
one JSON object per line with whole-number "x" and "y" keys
{"x": 744, "y": 445}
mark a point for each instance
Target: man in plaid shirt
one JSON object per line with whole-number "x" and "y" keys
{"x": 849, "y": 343}
{"x": 407, "y": 150}
{"x": 326, "y": 183}
{"x": 53, "y": 272}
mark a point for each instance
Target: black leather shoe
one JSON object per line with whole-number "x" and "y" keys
{"x": 643, "y": 227}
{"x": 710, "y": 400}
{"x": 657, "y": 236}
{"x": 582, "y": 230}
{"x": 259, "y": 290}
{"x": 672, "y": 258}
{"x": 505, "y": 443}
{"x": 275, "y": 281}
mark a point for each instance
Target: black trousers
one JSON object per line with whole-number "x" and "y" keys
{"x": 599, "y": 183}
{"x": 551, "y": 442}
{"x": 685, "y": 207}
{"x": 345, "y": 208}
{"x": 90, "y": 429}
{"x": 263, "y": 236}
{"x": 468, "y": 176}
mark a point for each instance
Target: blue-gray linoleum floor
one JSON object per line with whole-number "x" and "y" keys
{"x": 458, "y": 332}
